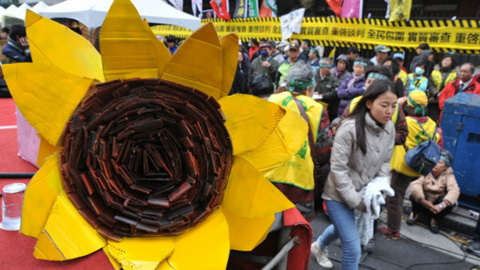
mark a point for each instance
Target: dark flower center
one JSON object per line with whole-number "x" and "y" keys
{"x": 145, "y": 158}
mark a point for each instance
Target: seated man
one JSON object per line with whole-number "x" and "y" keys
{"x": 434, "y": 195}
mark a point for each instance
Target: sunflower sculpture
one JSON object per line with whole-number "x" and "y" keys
{"x": 145, "y": 156}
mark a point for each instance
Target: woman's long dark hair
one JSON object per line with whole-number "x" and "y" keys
{"x": 375, "y": 89}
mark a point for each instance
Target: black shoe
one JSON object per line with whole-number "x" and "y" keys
{"x": 434, "y": 228}
{"x": 410, "y": 221}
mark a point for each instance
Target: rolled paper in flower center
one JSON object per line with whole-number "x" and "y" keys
{"x": 145, "y": 158}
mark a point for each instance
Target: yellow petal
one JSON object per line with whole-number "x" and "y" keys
{"x": 247, "y": 233}
{"x": 198, "y": 62}
{"x": 162, "y": 52}
{"x": 262, "y": 132}
{"x": 249, "y": 194}
{"x": 250, "y": 120}
{"x": 47, "y": 96}
{"x": 39, "y": 197}
{"x": 140, "y": 253}
{"x": 230, "y": 59}
{"x": 45, "y": 150}
{"x": 281, "y": 145}
{"x": 165, "y": 266}
{"x": 116, "y": 265}
{"x": 205, "y": 246}
{"x": 127, "y": 47}
{"x": 54, "y": 44}
{"x": 67, "y": 235}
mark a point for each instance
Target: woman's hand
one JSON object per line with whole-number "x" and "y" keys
{"x": 430, "y": 207}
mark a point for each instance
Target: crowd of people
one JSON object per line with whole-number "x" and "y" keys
{"x": 377, "y": 109}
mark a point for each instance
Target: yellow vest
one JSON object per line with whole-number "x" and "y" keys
{"x": 298, "y": 171}
{"x": 355, "y": 101}
{"x": 403, "y": 76}
{"x": 414, "y": 138}
{"x": 438, "y": 81}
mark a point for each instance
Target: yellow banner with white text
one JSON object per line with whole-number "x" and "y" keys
{"x": 442, "y": 35}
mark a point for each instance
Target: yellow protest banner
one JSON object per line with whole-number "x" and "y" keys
{"x": 442, "y": 35}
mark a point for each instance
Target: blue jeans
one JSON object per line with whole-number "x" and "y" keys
{"x": 344, "y": 227}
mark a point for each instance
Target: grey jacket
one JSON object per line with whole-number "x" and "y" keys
{"x": 350, "y": 170}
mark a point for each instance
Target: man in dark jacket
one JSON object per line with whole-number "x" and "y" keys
{"x": 16, "y": 50}
{"x": 326, "y": 87}
{"x": 352, "y": 54}
{"x": 264, "y": 64}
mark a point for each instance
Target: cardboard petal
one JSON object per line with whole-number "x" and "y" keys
{"x": 162, "y": 52}
{"x": 140, "y": 253}
{"x": 249, "y": 194}
{"x": 281, "y": 145}
{"x": 247, "y": 233}
{"x": 115, "y": 264}
{"x": 229, "y": 59}
{"x": 205, "y": 246}
{"x": 67, "y": 235}
{"x": 165, "y": 266}
{"x": 250, "y": 120}
{"x": 45, "y": 150}
{"x": 127, "y": 47}
{"x": 198, "y": 62}
{"x": 54, "y": 44}
{"x": 40, "y": 196}
{"x": 46, "y": 95}
{"x": 264, "y": 133}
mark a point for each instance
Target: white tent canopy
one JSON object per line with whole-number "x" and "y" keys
{"x": 18, "y": 13}
{"x": 39, "y": 6}
{"x": 11, "y": 8}
{"x": 92, "y": 12}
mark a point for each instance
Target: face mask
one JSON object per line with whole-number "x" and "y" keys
{"x": 264, "y": 54}
{"x": 419, "y": 70}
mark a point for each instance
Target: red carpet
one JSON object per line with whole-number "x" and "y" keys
{"x": 17, "y": 250}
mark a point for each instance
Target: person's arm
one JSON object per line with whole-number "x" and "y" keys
{"x": 272, "y": 69}
{"x": 401, "y": 128}
{"x": 416, "y": 189}
{"x": 331, "y": 95}
{"x": 342, "y": 89}
{"x": 356, "y": 89}
{"x": 453, "y": 191}
{"x": 407, "y": 86}
{"x": 339, "y": 165}
{"x": 433, "y": 91}
{"x": 385, "y": 168}
{"x": 445, "y": 94}
{"x": 16, "y": 55}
